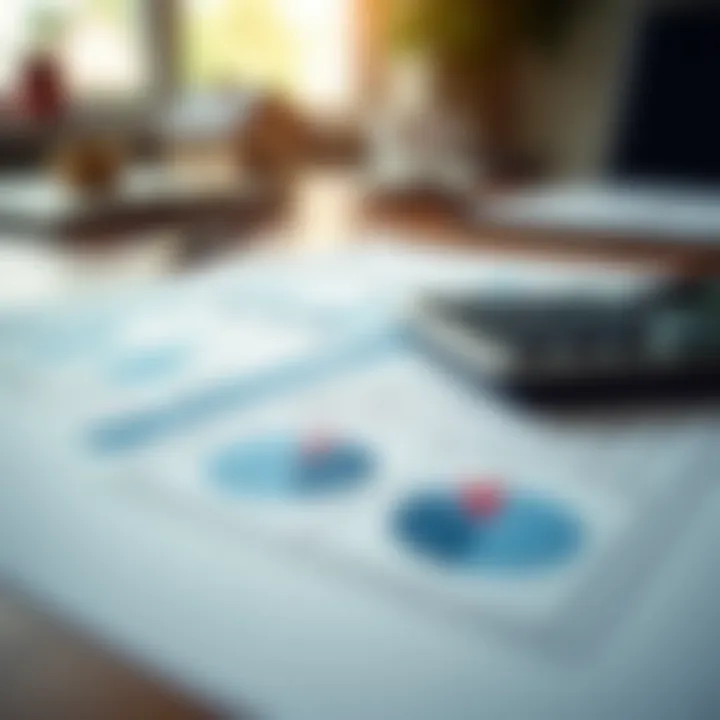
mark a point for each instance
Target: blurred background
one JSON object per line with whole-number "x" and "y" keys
{"x": 539, "y": 77}
{"x": 536, "y": 78}
{"x": 431, "y": 107}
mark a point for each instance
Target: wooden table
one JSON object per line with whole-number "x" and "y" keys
{"x": 39, "y": 205}
{"x": 439, "y": 223}
{"x": 50, "y": 670}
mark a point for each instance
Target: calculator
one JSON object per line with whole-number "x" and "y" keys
{"x": 660, "y": 342}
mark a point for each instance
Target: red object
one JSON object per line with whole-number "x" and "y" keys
{"x": 317, "y": 445}
{"x": 483, "y": 498}
{"x": 42, "y": 92}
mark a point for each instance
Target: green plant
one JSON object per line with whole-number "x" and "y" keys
{"x": 475, "y": 31}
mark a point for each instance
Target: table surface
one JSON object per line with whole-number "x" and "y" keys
{"x": 660, "y": 666}
{"x": 40, "y": 204}
{"x": 653, "y": 214}
{"x": 49, "y": 668}
{"x": 245, "y": 628}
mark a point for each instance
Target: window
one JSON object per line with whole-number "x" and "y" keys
{"x": 302, "y": 47}
{"x": 100, "y": 44}
{"x": 118, "y": 49}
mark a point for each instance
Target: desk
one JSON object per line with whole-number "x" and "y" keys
{"x": 247, "y": 626}
{"x": 38, "y": 205}
{"x": 373, "y": 658}
{"x": 494, "y": 225}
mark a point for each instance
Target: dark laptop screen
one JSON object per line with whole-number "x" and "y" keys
{"x": 670, "y": 129}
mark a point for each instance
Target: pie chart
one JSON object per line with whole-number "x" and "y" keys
{"x": 287, "y": 466}
{"x": 485, "y": 526}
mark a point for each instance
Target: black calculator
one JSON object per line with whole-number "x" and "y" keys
{"x": 664, "y": 341}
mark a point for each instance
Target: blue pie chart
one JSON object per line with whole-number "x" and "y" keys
{"x": 290, "y": 467}
{"x": 523, "y": 532}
